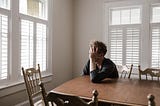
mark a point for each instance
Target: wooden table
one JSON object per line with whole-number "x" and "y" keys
{"x": 120, "y": 91}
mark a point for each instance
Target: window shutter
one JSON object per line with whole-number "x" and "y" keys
{"x": 132, "y": 46}
{"x": 26, "y": 43}
{"x": 156, "y": 47}
{"x": 41, "y": 46}
{"x": 3, "y": 46}
{"x": 116, "y": 45}
{"x": 155, "y": 31}
{"x": 124, "y": 27}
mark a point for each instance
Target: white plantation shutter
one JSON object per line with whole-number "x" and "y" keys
{"x": 124, "y": 35}
{"x": 132, "y": 46}
{"x": 156, "y": 47}
{"x": 41, "y": 46}
{"x": 26, "y": 43}
{"x": 155, "y": 34}
{"x": 3, "y": 47}
{"x": 33, "y": 44}
{"x": 116, "y": 45}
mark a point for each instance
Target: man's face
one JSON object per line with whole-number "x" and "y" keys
{"x": 98, "y": 57}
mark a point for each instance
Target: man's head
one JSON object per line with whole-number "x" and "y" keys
{"x": 101, "y": 47}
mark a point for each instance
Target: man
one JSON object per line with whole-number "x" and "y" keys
{"x": 99, "y": 67}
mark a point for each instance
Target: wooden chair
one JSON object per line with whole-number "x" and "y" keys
{"x": 125, "y": 70}
{"x": 34, "y": 86}
{"x": 152, "y": 72}
{"x": 69, "y": 100}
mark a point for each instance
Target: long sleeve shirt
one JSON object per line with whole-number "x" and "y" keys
{"x": 108, "y": 70}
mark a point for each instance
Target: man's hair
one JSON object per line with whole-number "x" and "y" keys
{"x": 102, "y": 48}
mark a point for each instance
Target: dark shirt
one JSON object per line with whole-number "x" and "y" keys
{"x": 108, "y": 70}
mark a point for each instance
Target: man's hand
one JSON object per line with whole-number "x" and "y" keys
{"x": 93, "y": 53}
{"x": 93, "y": 57}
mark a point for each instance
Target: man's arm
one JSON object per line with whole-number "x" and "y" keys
{"x": 106, "y": 72}
{"x": 86, "y": 68}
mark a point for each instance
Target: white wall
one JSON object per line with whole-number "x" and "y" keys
{"x": 88, "y": 24}
{"x": 62, "y": 51}
{"x": 88, "y": 19}
{"x": 62, "y": 41}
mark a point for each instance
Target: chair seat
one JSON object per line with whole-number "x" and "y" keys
{"x": 41, "y": 103}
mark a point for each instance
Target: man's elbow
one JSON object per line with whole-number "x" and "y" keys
{"x": 94, "y": 80}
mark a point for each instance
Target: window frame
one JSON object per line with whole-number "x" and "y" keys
{"x": 120, "y": 5}
{"x": 145, "y": 27}
{"x": 15, "y": 81}
{"x": 7, "y": 13}
{"x": 152, "y": 26}
{"x": 35, "y": 21}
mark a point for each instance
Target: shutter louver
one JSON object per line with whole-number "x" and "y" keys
{"x": 155, "y": 31}
{"x": 26, "y": 43}
{"x": 41, "y": 46}
{"x": 116, "y": 45}
{"x": 3, "y": 46}
{"x": 132, "y": 46}
{"x": 156, "y": 47}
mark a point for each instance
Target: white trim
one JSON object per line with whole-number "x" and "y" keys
{"x": 37, "y": 20}
{"x": 4, "y": 11}
{"x": 15, "y": 84}
{"x": 50, "y": 38}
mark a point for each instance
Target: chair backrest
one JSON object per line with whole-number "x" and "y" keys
{"x": 34, "y": 85}
{"x": 151, "y": 101}
{"x": 152, "y": 72}
{"x": 125, "y": 70}
{"x": 69, "y": 100}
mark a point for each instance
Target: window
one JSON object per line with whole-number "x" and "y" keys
{"x": 155, "y": 32}
{"x": 3, "y": 47}
{"x": 155, "y": 13}
{"x": 124, "y": 34}
{"x": 4, "y": 37}
{"x": 120, "y": 16}
{"x": 24, "y": 39}
{"x": 26, "y": 43}
{"x": 5, "y": 4}
{"x": 133, "y": 32}
{"x": 116, "y": 45}
{"x": 36, "y": 8}
{"x": 29, "y": 55}
{"x": 41, "y": 45}
{"x": 33, "y": 33}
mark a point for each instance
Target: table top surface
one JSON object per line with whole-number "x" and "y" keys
{"x": 121, "y": 91}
